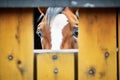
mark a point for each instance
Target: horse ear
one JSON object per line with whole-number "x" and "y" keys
{"x": 77, "y": 14}
{"x": 42, "y": 10}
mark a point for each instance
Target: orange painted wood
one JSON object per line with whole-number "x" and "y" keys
{"x": 64, "y": 64}
{"x": 97, "y": 38}
{"x": 16, "y": 44}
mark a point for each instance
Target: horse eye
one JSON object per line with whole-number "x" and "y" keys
{"x": 39, "y": 33}
{"x": 75, "y": 32}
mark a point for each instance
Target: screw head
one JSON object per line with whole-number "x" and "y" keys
{"x": 54, "y": 57}
{"x": 10, "y": 57}
{"x": 107, "y": 54}
{"x": 55, "y": 70}
{"x": 91, "y": 71}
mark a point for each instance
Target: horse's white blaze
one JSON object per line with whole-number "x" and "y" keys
{"x": 57, "y": 24}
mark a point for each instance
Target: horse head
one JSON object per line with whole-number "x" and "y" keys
{"x": 59, "y": 28}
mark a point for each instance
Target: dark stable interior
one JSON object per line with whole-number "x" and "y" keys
{"x": 37, "y": 42}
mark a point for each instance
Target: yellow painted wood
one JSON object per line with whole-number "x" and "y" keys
{"x": 97, "y": 35}
{"x": 16, "y": 40}
{"x": 46, "y": 66}
{"x": 119, "y": 39}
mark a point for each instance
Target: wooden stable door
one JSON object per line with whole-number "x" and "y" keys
{"x": 118, "y": 29}
{"x": 97, "y": 56}
{"x": 97, "y": 44}
{"x": 55, "y": 66}
{"x": 16, "y": 44}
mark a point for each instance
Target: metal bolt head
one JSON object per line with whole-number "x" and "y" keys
{"x": 55, "y": 70}
{"x": 54, "y": 57}
{"x": 10, "y": 57}
{"x": 107, "y": 54}
{"x": 91, "y": 71}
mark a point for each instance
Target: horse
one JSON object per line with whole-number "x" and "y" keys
{"x": 59, "y": 28}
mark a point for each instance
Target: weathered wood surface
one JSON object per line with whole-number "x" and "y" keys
{"x": 119, "y": 41}
{"x": 16, "y": 44}
{"x": 97, "y": 48}
{"x": 63, "y": 62}
{"x": 97, "y": 44}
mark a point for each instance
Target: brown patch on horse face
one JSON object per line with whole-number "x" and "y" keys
{"x": 41, "y": 25}
{"x": 46, "y": 39}
{"x": 68, "y": 41}
{"x": 72, "y": 19}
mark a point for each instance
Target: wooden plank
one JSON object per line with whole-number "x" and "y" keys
{"x": 119, "y": 40}
{"x": 46, "y": 66}
{"x": 97, "y": 44}
{"x": 16, "y": 44}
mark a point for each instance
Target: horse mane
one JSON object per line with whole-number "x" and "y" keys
{"x": 51, "y": 13}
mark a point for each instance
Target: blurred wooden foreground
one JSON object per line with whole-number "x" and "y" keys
{"x": 97, "y": 58}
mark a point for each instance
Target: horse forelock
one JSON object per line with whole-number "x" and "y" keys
{"x": 51, "y": 13}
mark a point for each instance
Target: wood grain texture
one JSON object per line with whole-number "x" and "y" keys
{"x": 46, "y": 66}
{"x": 97, "y": 36}
{"x": 16, "y": 44}
{"x": 119, "y": 40}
